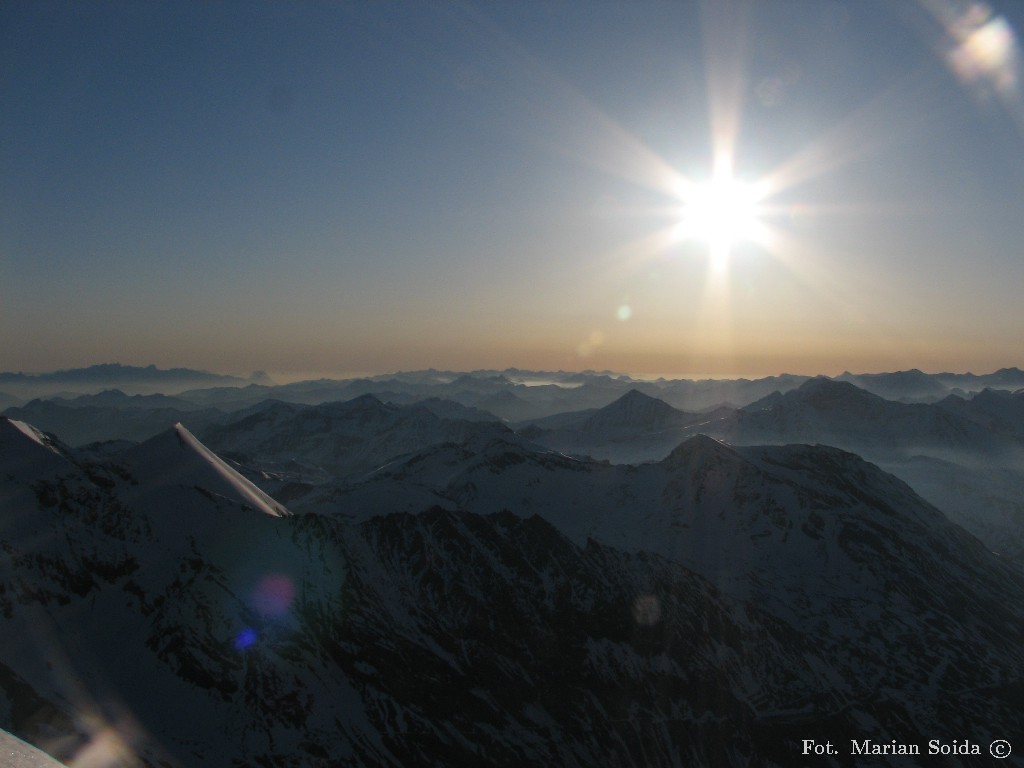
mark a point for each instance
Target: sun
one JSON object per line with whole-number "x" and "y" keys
{"x": 720, "y": 213}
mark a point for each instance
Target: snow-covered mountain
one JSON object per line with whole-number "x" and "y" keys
{"x": 632, "y": 429}
{"x": 525, "y": 608}
{"x": 948, "y": 453}
{"x": 633, "y": 412}
{"x": 639, "y": 428}
{"x": 343, "y": 439}
{"x": 125, "y": 587}
{"x": 841, "y": 414}
{"x": 17, "y": 754}
{"x": 113, "y": 415}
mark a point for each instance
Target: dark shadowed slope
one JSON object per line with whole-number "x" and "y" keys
{"x": 712, "y": 609}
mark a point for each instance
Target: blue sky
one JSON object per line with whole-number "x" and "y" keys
{"x": 329, "y": 187}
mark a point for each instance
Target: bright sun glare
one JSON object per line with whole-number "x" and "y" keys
{"x": 720, "y": 213}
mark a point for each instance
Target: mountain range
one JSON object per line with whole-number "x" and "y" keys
{"x": 485, "y": 600}
{"x": 839, "y": 413}
{"x": 513, "y": 395}
{"x": 961, "y": 452}
{"x": 634, "y": 428}
{"x": 347, "y": 438}
{"x": 136, "y": 379}
{"x": 405, "y": 578}
{"x": 966, "y": 456}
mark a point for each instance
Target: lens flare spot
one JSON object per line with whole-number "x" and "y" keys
{"x": 273, "y": 596}
{"x": 985, "y": 48}
{"x": 981, "y": 49}
{"x": 246, "y": 639}
{"x": 587, "y": 347}
{"x": 624, "y": 312}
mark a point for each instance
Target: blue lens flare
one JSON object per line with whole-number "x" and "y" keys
{"x": 245, "y": 639}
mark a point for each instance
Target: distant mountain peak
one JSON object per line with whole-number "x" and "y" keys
{"x": 822, "y": 387}
{"x": 367, "y": 404}
{"x": 820, "y": 395}
{"x": 636, "y": 396}
{"x": 816, "y": 383}
{"x": 634, "y": 410}
{"x": 368, "y": 399}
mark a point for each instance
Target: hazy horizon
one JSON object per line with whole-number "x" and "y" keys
{"x": 289, "y": 377}
{"x": 741, "y": 188}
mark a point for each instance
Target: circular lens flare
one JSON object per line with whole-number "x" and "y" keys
{"x": 273, "y": 596}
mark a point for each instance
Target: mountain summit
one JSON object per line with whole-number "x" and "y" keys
{"x": 634, "y": 411}
{"x": 174, "y": 464}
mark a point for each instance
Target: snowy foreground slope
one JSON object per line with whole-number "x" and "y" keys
{"x": 15, "y": 753}
{"x": 489, "y": 603}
